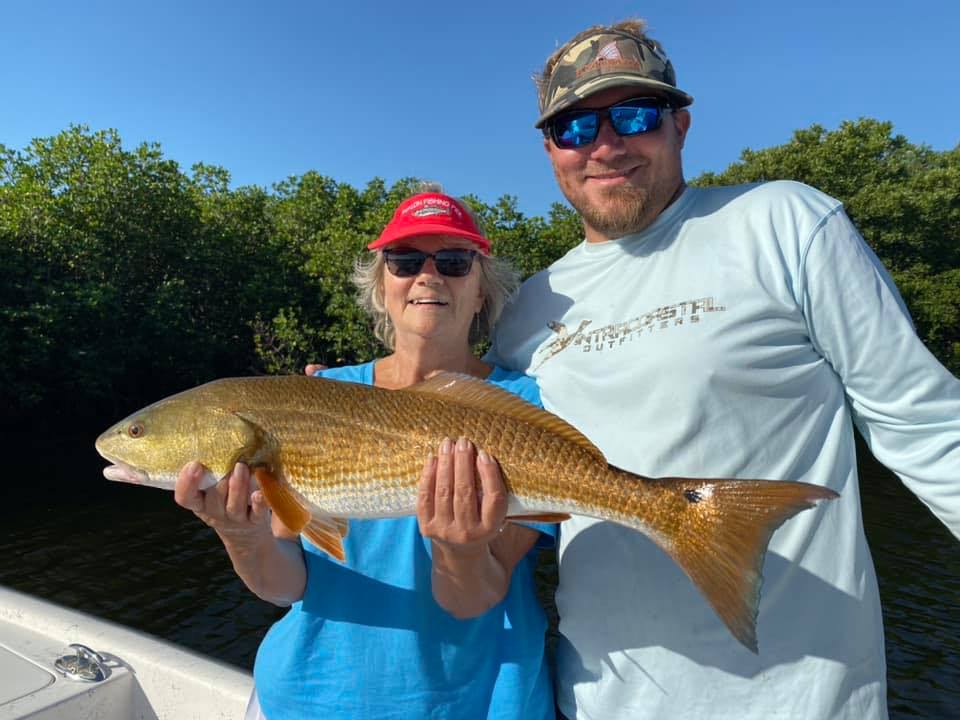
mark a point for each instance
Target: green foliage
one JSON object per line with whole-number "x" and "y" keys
{"x": 96, "y": 235}
{"x": 126, "y": 278}
{"x": 934, "y": 301}
{"x": 529, "y": 243}
{"x": 904, "y": 198}
{"x": 284, "y": 342}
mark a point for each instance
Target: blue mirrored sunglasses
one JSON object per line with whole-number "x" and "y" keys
{"x": 577, "y": 128}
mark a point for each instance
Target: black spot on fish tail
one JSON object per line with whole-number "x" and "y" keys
{"x": 692, "y": 496}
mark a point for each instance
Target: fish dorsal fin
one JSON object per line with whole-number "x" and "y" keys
{"x": 474, "y": 392}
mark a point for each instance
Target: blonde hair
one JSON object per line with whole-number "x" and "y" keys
{"x": 498, "y": 282}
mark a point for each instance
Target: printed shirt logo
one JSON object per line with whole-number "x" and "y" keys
{"x": 611, "y": 337}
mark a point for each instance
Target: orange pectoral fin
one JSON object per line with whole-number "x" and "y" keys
{"x": 324, "y": 532}
{"x": 284, "y": 503}
{"x": 539, "y": 517}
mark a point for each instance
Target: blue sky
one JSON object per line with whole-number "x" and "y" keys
{"x": 442, "y": 91}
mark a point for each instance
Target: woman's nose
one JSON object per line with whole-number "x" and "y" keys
{"x": 429, "y": 271}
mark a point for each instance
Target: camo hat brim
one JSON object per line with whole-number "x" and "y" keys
{"x": 605, "y": 60}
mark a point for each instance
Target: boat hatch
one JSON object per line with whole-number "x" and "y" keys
{"x": 20, "y": 676}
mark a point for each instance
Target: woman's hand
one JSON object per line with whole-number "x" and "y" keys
{"x": 451, "y": 509}
{"x": 263, "y": 555}
{"x": 474, "y": 551}
{"x": 239, "y": 514}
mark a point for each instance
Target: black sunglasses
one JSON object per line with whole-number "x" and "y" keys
{"x": 407, "y": 262}
{"x": 578, "y": 128}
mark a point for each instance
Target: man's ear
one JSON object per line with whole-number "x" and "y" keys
{"x": 682, "y": 120}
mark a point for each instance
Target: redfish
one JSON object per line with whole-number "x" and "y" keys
{"x": 324, "y": 451}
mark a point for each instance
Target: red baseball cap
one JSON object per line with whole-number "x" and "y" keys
{"x": 428, "y": 214}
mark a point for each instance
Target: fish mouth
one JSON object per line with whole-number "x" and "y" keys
{"x": 121, "y": 472}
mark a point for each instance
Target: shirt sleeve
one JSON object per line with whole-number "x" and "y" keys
{"x": 904, "y": 402}
{"x": 362, "y": 373}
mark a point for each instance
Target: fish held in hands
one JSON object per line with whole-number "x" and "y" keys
{"x": 324, "y": 451}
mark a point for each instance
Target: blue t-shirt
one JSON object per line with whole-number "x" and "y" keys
{"x": 368, "y": 641}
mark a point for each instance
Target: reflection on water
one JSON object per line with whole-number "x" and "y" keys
{"x": 131, "y": 555}
{"x": 918, "y": 564}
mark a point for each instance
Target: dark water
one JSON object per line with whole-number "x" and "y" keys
{"x": 131, "y": 555}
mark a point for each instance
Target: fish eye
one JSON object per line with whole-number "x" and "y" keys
{"x": 136, "y": 430}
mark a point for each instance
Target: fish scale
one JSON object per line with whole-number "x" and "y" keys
{"x": 348, "y": 458}
{"x": 325, "y": 450}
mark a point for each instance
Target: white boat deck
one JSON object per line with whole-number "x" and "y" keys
{"x": 148, "y": 678}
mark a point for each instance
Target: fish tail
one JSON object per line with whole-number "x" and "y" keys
{"x": 718, "y": 530}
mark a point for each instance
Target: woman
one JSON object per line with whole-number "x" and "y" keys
{"x": 434, "y": 616}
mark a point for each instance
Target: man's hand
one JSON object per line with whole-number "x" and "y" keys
{"x": 312, "y": 368}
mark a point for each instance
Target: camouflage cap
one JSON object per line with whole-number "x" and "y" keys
{"x": 609, "y": 59}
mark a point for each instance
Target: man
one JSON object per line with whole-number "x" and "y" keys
{"x": 721, "y": 332}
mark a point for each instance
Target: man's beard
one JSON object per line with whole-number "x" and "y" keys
{"x": 624, "y": 209}
{"x": 624, "y": 212}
